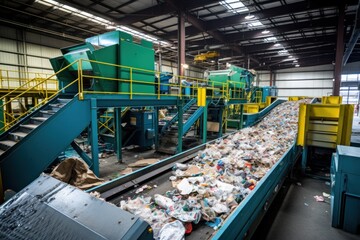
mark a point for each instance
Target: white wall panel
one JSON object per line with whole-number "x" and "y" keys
{"x": 314, "y": 81}
{"x": 7, "y": 45}
{"x": 8, "y": 58}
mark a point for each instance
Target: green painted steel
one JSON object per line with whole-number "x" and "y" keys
{"x": 236, "y": 77}
{"x": 28, "y": 158}
{"x": 115, "y": 48}
{"x": 345, "y": 188}
{"x": 137, "y": 56}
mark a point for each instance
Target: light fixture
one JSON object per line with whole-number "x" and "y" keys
{"x": 185, "y": 66}
{"x": 283, "y": 52}
{"x": 255, "y": 23}
{"x": 295, "y": 61}
{"x": 270, "y": 39}
{"x": 249, "y": 17}
{"x": 277, "y": 45}
{"x": 265, "y": 32}
{"x": 234, "y": 6}
{"x": 297, "y": 65}
{"x": 98, "y": 20}
{"x": 290, "y": 56}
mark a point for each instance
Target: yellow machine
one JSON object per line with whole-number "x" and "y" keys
{"x": 202, "y": 57}
{"x": 324, "y": 125}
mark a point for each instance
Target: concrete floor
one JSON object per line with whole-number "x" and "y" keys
{"x": 111, "y": 168}
{"x": 302, "y": 217}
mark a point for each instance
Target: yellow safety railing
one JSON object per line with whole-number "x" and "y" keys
{"x": 48, "y": 96}
{"x": 219, "y": 89}
{"x": 106, "y": 123}
{"x": 21, "y": 80}
{"x": 227, "y": 90}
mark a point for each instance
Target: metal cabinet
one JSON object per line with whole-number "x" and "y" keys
{"x": 345, "y": 188}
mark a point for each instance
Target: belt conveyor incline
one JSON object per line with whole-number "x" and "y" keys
{"x": 240, "y": 224}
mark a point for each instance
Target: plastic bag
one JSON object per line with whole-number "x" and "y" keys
{"x": 163, "y": 202}
{"x": 172, "y": 231}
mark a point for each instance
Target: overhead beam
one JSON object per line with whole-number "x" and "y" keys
{"x": 201, "y": 25}
{"x": 339, "y": 49}
{"x": 263, "y": 14}
{"x": 354, "y": 36}
{"x": 275, "y": 31}
{"x": 161, "y": 9}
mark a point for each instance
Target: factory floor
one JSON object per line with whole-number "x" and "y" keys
{"x": 301, "y": 217}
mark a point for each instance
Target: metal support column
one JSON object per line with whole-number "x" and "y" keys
{"x": 339, "y": 49}
{"x": 180, "y": 127}
{"x": 118, "y": 133}
{"x": 241, "y": 121}
{"x": 156, "y": 124}
{"x": 94, "y": 137}
{"x": 271, "y": 78}
{"x": 181, "y": 44}
{"x": 204, "y": 122}
{"x": 221, "y": 111}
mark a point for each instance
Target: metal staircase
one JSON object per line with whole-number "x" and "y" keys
{"x": 169, "y": 133}
{"x": 33, "y": 143}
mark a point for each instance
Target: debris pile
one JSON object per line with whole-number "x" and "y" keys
{"x": 219, "y": 177}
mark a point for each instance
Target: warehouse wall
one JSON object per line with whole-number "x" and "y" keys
{"x": 314, "y": 81}
{"x": 26, "y": 51}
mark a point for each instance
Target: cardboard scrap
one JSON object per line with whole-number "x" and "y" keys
{"x": 126, "y": 171}
{"x": 144, "y": 162}
{"x": 192, "y": 170}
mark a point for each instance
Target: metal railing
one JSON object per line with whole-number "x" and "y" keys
{"x": 225, "y": 90}
{"x": 47, "y": 96}
{"x": 11, "y": 80}
{"x": 187, "y": 88}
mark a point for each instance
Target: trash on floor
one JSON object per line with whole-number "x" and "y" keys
{"x": 76, "y": 172}
{"x": 144, "y": 162}
{"x": 126, "y": 171}
{"x": 327, "y": 195}
{"x": 319, "y": 198}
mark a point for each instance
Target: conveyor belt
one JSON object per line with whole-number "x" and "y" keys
{"x": 245, "y": 217}
{"x": 78, "y": 208}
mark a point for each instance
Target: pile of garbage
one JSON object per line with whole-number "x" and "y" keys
{"x": 219, "y": 177}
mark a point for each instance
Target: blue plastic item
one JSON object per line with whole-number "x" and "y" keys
{"x": 164, "y": 81}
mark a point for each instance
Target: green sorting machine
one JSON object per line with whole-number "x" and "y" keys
{"x": 105, "y": 57}
{"x": 236, "y": 77}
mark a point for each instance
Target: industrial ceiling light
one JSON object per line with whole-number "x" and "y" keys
{"x": 234, "y": 6}
{"x": 270, "y": 39}
{"x": 290, "y": 56}
{"x": 265, "y": 32}
{"x": 283, "y": 52}
{"x": 295, "y": 61}
{"x": 277, "y": 45}
{"x": 185, "y": 66}
{"x": 256, "y": 23}
{"x": 102, "y": 21}
{"x": 249, "y": 17}
{"x": 297, "y": 65}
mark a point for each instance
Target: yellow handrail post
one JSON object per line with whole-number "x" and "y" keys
{"x": 131, "y": 81}
{"x": 80, "y": 80}
{"x": 46, "y": 91}
{"x": 7, "y": 77}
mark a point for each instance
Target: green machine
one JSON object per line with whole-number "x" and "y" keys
{"x": 109, "y": 56}
{"x": 237, "y": 78}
